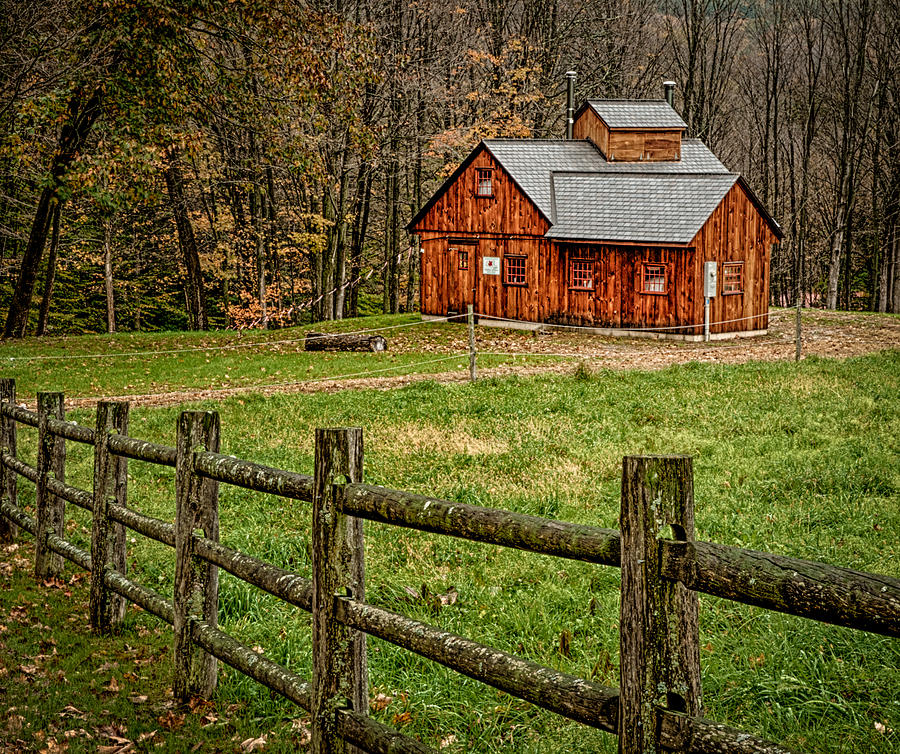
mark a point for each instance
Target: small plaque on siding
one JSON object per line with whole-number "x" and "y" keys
{"x": 490, "y": 265}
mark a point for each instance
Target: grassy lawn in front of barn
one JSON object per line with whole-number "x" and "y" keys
{"x": 796, "y": 459}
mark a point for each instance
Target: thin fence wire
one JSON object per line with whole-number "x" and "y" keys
{"x": 290, "y": 383}
{"x": 326, "y": 336}
{"x": 626, "y": 329}
{"x": 229, "y": 347}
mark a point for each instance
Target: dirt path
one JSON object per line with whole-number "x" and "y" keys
{"x": 825, "y": 333}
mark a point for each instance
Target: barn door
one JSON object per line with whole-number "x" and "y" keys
{"x": 462, "y": 262}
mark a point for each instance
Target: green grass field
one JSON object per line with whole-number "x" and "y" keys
{"x": 797, "y": 459}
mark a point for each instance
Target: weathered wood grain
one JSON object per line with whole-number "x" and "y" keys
{"x": 71, "y": 431}
{"x": 49, "y": 509}
{"x": 82, "y": 498}
{"x": 154, "y": 528}
{"x": 287, "y": 586}
{"x": 9, "y": 531}
{"x": 141, "y": 450}
{"x": 196, "y": 593}
{"x": 20, "y": 467}
{"x": 254, "y": 476}
{"x": 565, "y": 694}
{"x": 658, "y": 619}
{"x": 107, "y": 537}
{"x": 340, "y": 675}
{"x": 822, "y": 592}
{"x": 21, "y": 415}
{"x": 499, "y": 527}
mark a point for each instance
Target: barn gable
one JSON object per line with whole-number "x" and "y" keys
{"x": 457, "y": 205}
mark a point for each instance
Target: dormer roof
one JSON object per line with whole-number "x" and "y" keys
{"x": 636, "y": 114}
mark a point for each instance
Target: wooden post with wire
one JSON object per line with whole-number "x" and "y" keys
{"x": 659, "y": 635}
{"x": 8, "y": 530}
{"x": 473, "y": 354}
{"x": 798, "y": 337}
{"x": 50, "y": 510}
{"x": 340, "y": 666}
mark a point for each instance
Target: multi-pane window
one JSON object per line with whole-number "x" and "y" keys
{"x": 483, "y": 183}
{"x": 732, "y": 278}
{"x": 582, "y": 274}
{"x": 653, "y": 278}
{"x": 463, "y": 258}
{"x": 515, "y": 270}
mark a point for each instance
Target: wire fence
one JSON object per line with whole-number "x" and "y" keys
{"x": 425, "y": 366}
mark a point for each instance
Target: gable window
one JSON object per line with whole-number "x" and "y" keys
{"x": 483, "y": 182}
{"x": 732, "y": 278}
{"x": 653, "y": 278}
{"x": 581, "y": 274}
{"x": 514, "y": 268}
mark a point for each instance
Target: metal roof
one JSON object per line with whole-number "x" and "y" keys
{"x": 655, "y": 208}
{"x": 531, "y": 161}
{"x": 585, "y": 197}
{"x": 628, "y": 113}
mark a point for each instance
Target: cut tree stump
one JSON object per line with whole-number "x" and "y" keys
{"x": 317, "y": 341}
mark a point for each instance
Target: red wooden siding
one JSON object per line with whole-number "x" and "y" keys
{"x": 628, "y": 145}
{"x": 737, "y": 232}
{"x": 459, "y": 210}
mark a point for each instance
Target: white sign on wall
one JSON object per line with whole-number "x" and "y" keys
{"x": 490, "y": 265}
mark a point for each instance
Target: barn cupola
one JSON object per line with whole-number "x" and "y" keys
{"x": 632, "y": 130}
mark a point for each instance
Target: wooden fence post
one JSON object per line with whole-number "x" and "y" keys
{"x": 196, "y": 581}
{"x": 8, "y": 530}
{"x": 107, "y": 538}
{"x": 50, "y": 510}
{"x": 659, "y": 641}
{"x": 340, "y": 675}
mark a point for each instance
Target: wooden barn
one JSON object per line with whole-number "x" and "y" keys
{"x": 611, "y": 229}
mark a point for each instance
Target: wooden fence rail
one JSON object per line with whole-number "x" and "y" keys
{"x": 659, "y": 704}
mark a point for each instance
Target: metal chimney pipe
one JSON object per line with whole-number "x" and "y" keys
{"x": 570, "y": 103}
{"x": 669, "y": 89}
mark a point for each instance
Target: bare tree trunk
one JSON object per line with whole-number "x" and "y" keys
{"x": 108, "y": 278}
{"x": 837, "y": 238}
{"x": 194, "y": 291}
{"x": 50, "y": 277}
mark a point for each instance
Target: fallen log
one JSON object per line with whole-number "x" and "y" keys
{"x": 317, "y": 341}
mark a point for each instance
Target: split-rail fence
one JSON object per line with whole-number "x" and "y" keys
{"x": 658, "y": 704}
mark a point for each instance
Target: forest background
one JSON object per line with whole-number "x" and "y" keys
{"x": 234, "y": 163}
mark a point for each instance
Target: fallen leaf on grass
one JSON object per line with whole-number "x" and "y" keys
{"x": 116, "y": 748}
{"x": 138, "y": 699}
{"x": 300, "y": 727}
{"x": 380, "y": 701}
{"x": 14, "y": 723}
{"x": 253, "y": 744}
{"x": 171, "y": 720}
{"x": 113, "y": 686}
{"x": 448, "y": 741}
{"x": 70, "y": 711}
{"x": 402, "y": 718}
{"x": 28, "y": 669}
